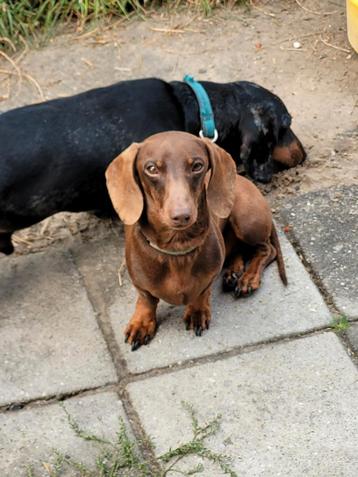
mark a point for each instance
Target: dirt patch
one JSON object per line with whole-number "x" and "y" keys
{"x": 302, "y": 54}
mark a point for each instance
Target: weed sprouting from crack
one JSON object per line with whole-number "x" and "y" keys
{"x": 340, "y": 323}
{"x": 120, "y": 458}
{"x": 196, "y": 446}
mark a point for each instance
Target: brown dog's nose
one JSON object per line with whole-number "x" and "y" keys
{"x": 180, "y": 218}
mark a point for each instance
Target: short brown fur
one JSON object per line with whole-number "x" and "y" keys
{"x": 185, "y": 211}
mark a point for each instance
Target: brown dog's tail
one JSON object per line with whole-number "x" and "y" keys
{"x": 280, "y": 263}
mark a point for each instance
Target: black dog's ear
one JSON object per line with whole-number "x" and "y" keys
{"x": 286, "y": 120}
{"x": 245, "y": 149}
{"x": 278, "y": 124}
{"x": 249, "y": 136}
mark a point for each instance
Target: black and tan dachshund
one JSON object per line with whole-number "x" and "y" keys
{"x": 53, "y": 155}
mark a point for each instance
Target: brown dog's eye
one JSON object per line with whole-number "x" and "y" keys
{"x": 151, "y": 169}
{"x": 197, "y": 166}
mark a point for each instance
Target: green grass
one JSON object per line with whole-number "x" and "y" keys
{"x": 340, "y": 323}
{"x": 28, "y": 19}
{"x": 120, "y": 458}
{"x": 31, "y": 20}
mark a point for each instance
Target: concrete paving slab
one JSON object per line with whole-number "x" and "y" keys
{"x": 325, "y": 223}
{"x": 49, "y": 339}
{"x": 288, "y": 409}
{"x": 29, "y": 437}
{"x": 272, "y": 312}
{"x": 98, "y": 261}
{"x": 352, "y": 334}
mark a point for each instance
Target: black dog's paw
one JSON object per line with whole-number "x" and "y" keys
{"x": 230, "y": 281}
{"x": 6, "y": 245}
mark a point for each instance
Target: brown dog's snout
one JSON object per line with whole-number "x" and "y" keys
{"x": 180, "y": 204}
{"x": 181, "y": 217}
{"x": 181, "y": 210}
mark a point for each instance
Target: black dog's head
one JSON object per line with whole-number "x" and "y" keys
{"x": 260, "y": 127}
{"x": 253, "y": 125}
{"x": 267, "y": 142}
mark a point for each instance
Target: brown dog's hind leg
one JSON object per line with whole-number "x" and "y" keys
{"x": 249, "y": 229}
{"x": 235, "y": 264}
{"x": 142, "y": 326}
{"x": 250, "y": 281}
{"x": 197, "y": 315}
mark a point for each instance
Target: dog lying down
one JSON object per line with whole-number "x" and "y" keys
{"x": 186, "y": 211}
{"x": 53, "y": 155}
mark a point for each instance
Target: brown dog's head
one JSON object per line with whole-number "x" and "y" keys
{"x": 169, "y": 176}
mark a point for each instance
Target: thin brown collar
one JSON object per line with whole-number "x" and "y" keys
{"x": 173, "y": 253}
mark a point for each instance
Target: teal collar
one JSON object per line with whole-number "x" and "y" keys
{"x": 206, "y": 112}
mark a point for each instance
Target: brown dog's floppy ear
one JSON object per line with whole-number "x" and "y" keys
{"x": 125, "y": 194}
{"x": 221, "y": 188}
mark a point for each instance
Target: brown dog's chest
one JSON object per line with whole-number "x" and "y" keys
{"x": 176, "y": 280}
{"x": 177, "y": 286}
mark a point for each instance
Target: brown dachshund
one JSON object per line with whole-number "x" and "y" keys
{"x": 185, "y": 210}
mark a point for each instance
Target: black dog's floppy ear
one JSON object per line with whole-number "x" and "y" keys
{"x": 279, "y": 121}
{"x": 221, "y": 188}
{"x": 125, "y": 194}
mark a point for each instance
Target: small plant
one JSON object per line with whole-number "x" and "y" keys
{"x": 340, "y": 323}
{"x": 120, "y": 458}
{"x": 196, "y": 446}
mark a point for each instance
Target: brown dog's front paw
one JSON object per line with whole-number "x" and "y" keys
{"x": 140, "y": 331}
{"x": 197, "y": 320}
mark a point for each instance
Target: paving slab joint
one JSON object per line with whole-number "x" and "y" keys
{"x": 222, "y": 355}
{"x": 327, "y": 297}
{"x": 56, "y": 398}
{"x": 120, "y": 387}
{"x": 348, "y": 346}
{"x": 143, "y": 441}
{"x": 134, "y": 377}
{"x": 104, "y": 324}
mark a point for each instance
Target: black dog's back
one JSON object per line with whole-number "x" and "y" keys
{"x": 53, "y": 154}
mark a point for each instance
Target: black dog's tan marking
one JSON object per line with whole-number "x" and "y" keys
{"x": 53, "y": 155}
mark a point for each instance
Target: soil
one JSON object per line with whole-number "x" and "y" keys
{"x": 299, "y": 50}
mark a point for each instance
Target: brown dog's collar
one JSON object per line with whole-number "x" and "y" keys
{"x": 173, "y": 253}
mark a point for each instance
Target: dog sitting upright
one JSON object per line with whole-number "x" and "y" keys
{"x": 185, "y": 210}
